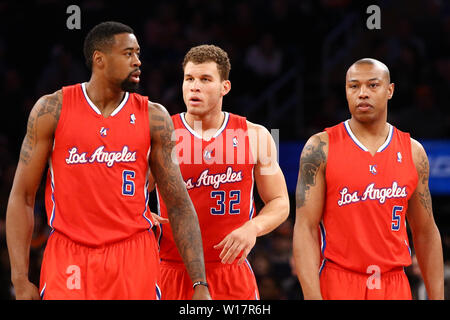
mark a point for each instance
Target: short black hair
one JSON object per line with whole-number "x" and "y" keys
{"x": 101, "y": 38}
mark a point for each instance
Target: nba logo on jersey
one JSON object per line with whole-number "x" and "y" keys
{"x": 132, "y": 118}
{"x": 103, "y": 131}
{"x": 235, "y": 142}
{"x": 399, "y": 157}
{"x": 373, "y": 168}
{"x": 207, "y": 155}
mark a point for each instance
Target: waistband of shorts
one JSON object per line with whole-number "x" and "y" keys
{"x": 208, "y": 265}
{"x": 62, "y": 236}
{"x": 393, "y": 271}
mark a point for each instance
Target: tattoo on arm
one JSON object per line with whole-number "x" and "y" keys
{"x": 312, "y": 157}
{"x": 183, "y": 219}
{"x": 425, "y": 196}
{"x": 50, "y": 104}
{"x": 29, "y": 141}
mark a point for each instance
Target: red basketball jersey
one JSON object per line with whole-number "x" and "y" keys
{"x": 219, "y": 178}
{"x": 363, "y": 225}
{"x": 97, "y": 181}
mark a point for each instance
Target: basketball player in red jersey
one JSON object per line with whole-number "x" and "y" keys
{"x": 221, "y": 156}
{"x": 100, "y": 141}
{"x": 359, "y": 182}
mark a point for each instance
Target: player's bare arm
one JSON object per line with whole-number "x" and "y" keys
{"x": 156, "y": 218}
{"x": 272, "y": 189}
{"x": 182, "y": 216}
{"x": 34, "y": 154}
{"x": 425, "y": 234}
{"x": 312, "y": 159}
{"x": 310, "y": 199}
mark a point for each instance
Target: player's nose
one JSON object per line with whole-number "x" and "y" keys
{"x": 363, "y": 92}
{"x": 136, "y": 61}
{"x": 195, "y": 85}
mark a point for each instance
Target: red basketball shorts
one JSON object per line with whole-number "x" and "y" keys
{"x": 127, "y": 269}
{"x": 337, "y": 283}
{"x": 226, "y": 281}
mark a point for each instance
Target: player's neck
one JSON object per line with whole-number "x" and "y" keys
{"x": 369, "y": 130}
{"x": 372, "y": 135}
{"x": 206, "y": 125}
{"x": 105, "y": 97}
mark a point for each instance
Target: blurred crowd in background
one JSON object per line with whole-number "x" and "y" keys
{"x": 279, "y": 49}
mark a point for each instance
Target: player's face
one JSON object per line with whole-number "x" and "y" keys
{"x": 368, "y": 91}
{"x": 203, "y": 90}
{"x": 123, "y": 62}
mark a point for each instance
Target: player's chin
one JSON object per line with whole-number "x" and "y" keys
{"x": 129, "y": 86}
{"x": 364, "y": 117}
{"x": 196, "y": 110}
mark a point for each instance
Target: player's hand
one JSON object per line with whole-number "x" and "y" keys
{"x": 25, "y": 290}
{"x": 158, "y": 219}
{"x": 240, "y": 240}
{"x": 201, "y": 293}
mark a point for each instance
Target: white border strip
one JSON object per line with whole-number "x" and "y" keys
{"x": 94, "y": 107}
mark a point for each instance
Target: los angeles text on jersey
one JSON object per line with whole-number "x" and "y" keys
{"x": 214, "y": 180}
{"x": 100, "y": 155}
{"x": 372, "y": 193}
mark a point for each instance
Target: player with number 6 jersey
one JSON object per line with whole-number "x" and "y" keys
{"x": 221, "y": 157}
{"x": 91, "y": 152}
{"x": 100, "y": 140}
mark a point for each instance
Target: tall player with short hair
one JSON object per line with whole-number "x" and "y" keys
{"x": 221, "y": 156}
{"x": 100, "y": 140}
{"x": 358, "y": 183}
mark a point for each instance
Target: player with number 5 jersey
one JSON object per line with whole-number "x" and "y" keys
{"x": 359, "y": 183}
{"x": 222, "y": 156}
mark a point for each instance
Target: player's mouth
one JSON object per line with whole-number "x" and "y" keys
{"x": 364, "y": 106}
{"x": 195, "y": 101}
{"x": 134, "y": 76}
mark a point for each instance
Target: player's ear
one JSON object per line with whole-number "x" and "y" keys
{"x": 391, "y": 90}
{"x": 226, "y": 87}
{"x": 98, "y": 59}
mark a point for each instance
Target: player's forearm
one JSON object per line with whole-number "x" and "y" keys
{"x": 306, "y": 251}
{"x": 187, "y": 236}
{"x": 428, "y": 248}
{"x": 274, "y": 213}
{"x": 19, "y": 230}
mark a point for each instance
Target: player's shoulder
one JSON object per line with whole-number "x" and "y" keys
{"x": 159, "y": 120}
{"x": 157, "y": 112}
{"x": 55, "y": 97}
{"x": 259, "y": 134}
{"x": 49, "y": 104}
{"x": 316, "y": 147}
{"x": 156, "y": 107}
{"x": 318, "y": 139}
{"x": 418, "y": 152}
{"x": 416, "y": 146}
{"x": 257, "y": 127}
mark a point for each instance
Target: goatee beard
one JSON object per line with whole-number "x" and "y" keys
{"x": 129, "y": 86}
